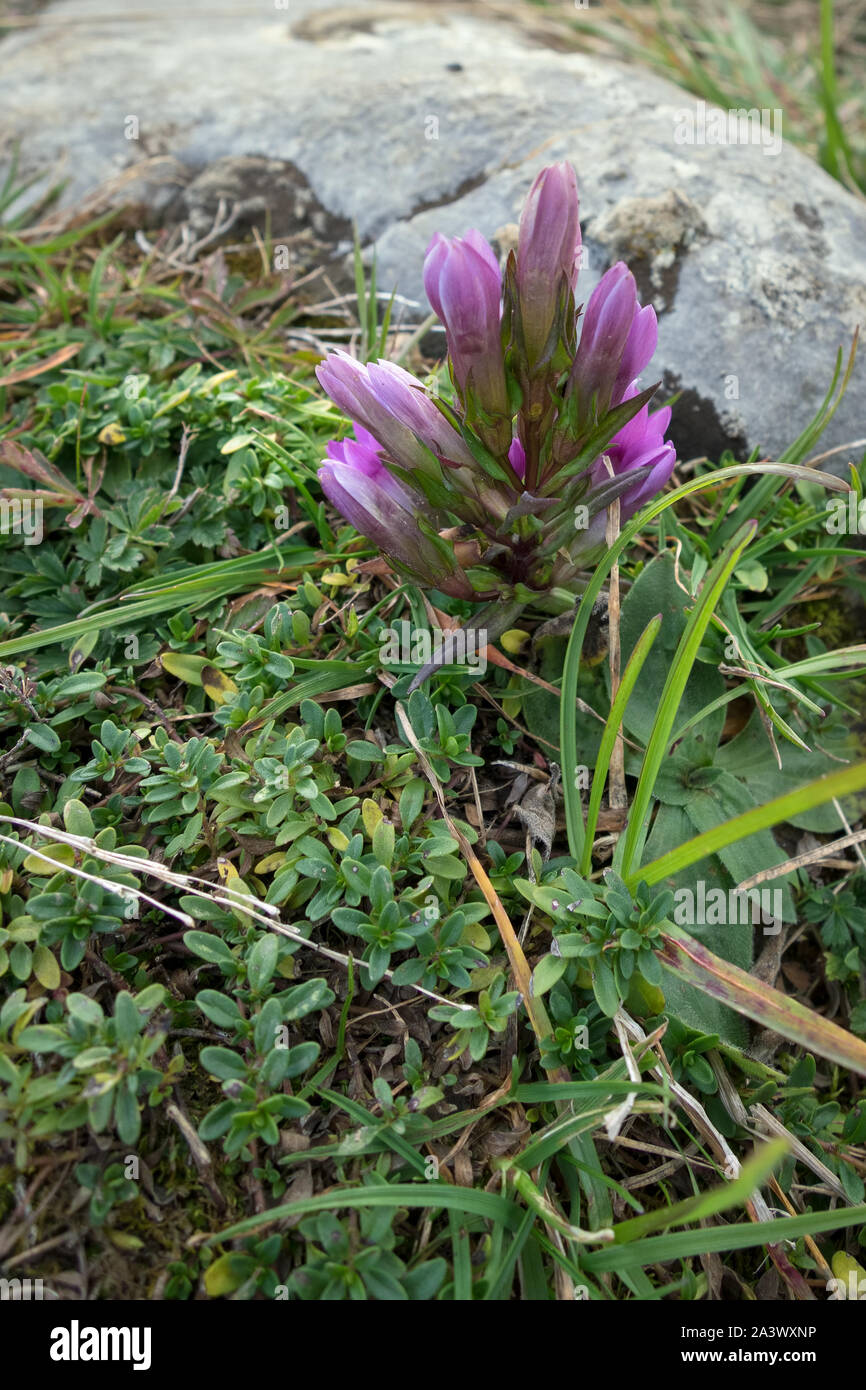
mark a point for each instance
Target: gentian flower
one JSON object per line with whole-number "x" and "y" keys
{"x": 383, "y": 509}
{"x": 480, "y": 498}
{"x": 639, "y": 444}
{"x": 548, "y": 255}
{"x": 347, "y": 382}
{"x": 464, "y": 285}
{"x": 617, "y": 340}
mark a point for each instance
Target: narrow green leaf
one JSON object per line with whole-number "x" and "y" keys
{"x": 690, "y": 960}
{"x": 430, "y": 1195}
{"x": 781, "y": 808}
{"x": 611, "y": 729}
{"x": 632, "y": 843}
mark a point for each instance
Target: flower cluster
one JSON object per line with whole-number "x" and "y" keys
{"x": 503, "y": 490}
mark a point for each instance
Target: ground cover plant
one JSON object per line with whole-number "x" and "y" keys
{"x": 369, "y": 847}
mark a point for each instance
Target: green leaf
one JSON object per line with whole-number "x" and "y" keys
{"x": 45, "y": 968}
{"x": 219, "y": 1008}
{"x": 262, "y": 962}
{"x": 83, "y": 1007}
{"x": 42, "y": 737}
{"x": 84, "y": 683}
{"x": 127, "y": 1115}
{"x": 750, "y": 755}
{"x": 228, "y": 1272}
{"x": 209, "y": 947}
{"x": 412, "y": 802}
{"x": 223, "y": 1063}
{"x": 127, "y": 1020}
{"x": 546, "y": 973}
{"x": 604, "y": 988}
{"x": 78, "y": 820}
{"x": 43, "y": 1037}
{"x": 305, "y": 999}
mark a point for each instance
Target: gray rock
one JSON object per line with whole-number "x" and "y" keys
{"x": 410, "y": 118}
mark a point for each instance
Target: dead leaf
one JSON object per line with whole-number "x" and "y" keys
{"x": 45, "y": 365}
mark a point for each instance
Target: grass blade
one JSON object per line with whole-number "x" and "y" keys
{"x": 690, "y": 961}
{"x": 637, "y": 828}
{"x": 833, "y": 784}
{"x": 752, "y": 1174}
{"x": 611, "y": 728}
{"x": 616, "y": 1258}
{"x": 429, "y": 1195}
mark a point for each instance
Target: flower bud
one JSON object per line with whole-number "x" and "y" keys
{"x": 548, "y": 249}
{"x": 464, "y": 285}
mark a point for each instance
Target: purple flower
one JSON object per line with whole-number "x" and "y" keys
{"x": 517, "y": 458}
{"x": 347, "y": 382}
{"x": 640, "y": 443}
{"x": 400, "y": 393}
{"x": 478, "y": 498}
{"x": 379, "y": 506}
{"x": 464, "y": 286}
{"x": 548, "y": 250}
{"x": 617, "y": 340}
{"x": 395, "y": 409}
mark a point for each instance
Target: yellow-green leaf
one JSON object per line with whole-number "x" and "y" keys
{"x": 45, "y": 968}
{"x": 271, "y": 863}
{"x": 81, "y": 649}
{"x": 475, "y": 935}
{"x": 217, "y": 685}
{"x": 843, "y": 1266}
{"x": 186, "y": 668}
{"x": 752, "y": 574}
{"x": 199, "y": 670}
{"x": 232, "y": 879}
{"x": 124, "y": 1240}
{"x": 170, "y": 404}
{"x": 237, "y": 441}
{"x": 514, "y": 640}
{"x": 61, "y": 854}
{"x": 371, "y": 815}
{"x": 214, "y": 381}
{"x": 112, "y": 434}
{"x": 223, "y": 1276}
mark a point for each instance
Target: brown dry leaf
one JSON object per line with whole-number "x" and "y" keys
{"x": 537, "y": 814}
{"x": 464, "y": 1175}
{"x": 45, "y": 365}
{"x": 298, "y": 1190}
{"x": 800, "y": 978}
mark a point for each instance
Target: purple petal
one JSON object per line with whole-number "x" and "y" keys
{"x": 380, "y": 512}
{"x": 639, "y": 349}
{"x": 517, "y": 458}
